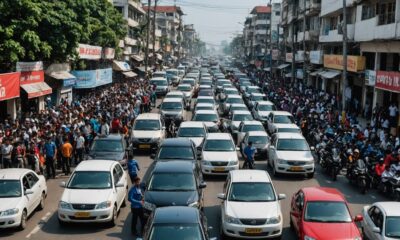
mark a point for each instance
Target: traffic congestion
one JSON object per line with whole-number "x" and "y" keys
{"x": 204, "y": 151}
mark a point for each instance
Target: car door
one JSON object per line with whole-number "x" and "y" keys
{"x": 117, "y": 191}
{"x": 122, "y": 179}
{"x": 374, "y": 218}
{"x": 225, "y": 191}
{"x": 296, "y": 212}
{"x": 35, "y": 187}
{"x": 29, "y": 198}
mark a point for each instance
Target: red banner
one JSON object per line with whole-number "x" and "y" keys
{"x": 9, "y": 86}
{"x": 388, "y": 81}
{"x": 32, "y": 77}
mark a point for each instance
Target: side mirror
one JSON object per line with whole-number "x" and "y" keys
{"x": 376, "y": 230}
{"x": 312, "y": 148}
{"x": 221, "y": 196}
{"x": 203, "y": 185}
{"x": 28, "y": 192}
{"x": 119, "y": 185}
{"x": 159, "y": 106}
{"x": 62, "y": 184}
{"x": 359, "y": 218}
{"x": 281, "y": 196}
{"x": 163, "y": 128}
{"x": 153, "y": 156}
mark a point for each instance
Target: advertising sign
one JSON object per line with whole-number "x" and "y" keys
{"x": 370, "y": 77}
{"x": 354, "y": 63}
{"x": 108, "y": 53}
{"x": 92, "y": 78}
{"x": 316, "y": 57}
{"x": 89, "y": 52}
{"x": 9, "y": 85}
{"x": 388, "y": 81}
{"x": 32, "y": 77}
{"x": 29, "y": 66}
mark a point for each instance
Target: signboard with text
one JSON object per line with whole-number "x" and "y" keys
{"x": 370, "y": 77}
{"x": 316, "y": 57}
{"x": 354, "y": 63}
{"x": 389, "y": 81}
{"x": 89, "y": 52}
{"x": 92, "y": 78}
{"x": 31, "y": 77}
{"x": 108, "y": 53}
{"x": 9, "y": 85}
{"x": 29, "y": 66}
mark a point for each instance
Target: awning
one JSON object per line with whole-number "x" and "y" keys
{"x": 267, "y": 69}
{"x": 37, "y": 89}
{"x": 329, "y": 74}
{"x": 137, "y": 58}
{"x": 61, "y": 75}
{"x": 282, "y": 66}
{"x": 129, "y": 74}
{"x": 121, "y": 66}
{"x": 315, "y": 73}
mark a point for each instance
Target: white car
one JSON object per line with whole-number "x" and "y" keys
{"x": 187, "y": 89}
{"x": 251, "y": 209}
{"x": 22, "y": 191}
{"x": 95, "y": 192}
{"x": 237, "y": 117}
{"x": 230, "y": 99}
{"x": 162, "y": 86}
{"x": 148, "y": 131}
{"x": 204, "y": 106}
{"x": 279, "y": 117}
{"x": 289, "y": 153}
{"x": 381, "y": 221}
{"x": 291, "y": 127}
{"x": 247, "y": 126}
{"x": 219, "y": 154}
{"x": 262, "y": 109}
{"x": 173, "y": 109}
{"x": 209, "y": 118}
{"x": 195, "y": 131}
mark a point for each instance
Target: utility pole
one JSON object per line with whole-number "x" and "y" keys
{"x": 304, "y": 42}
{"x": 270, "y": 37}
{"x": 146, "y": 63}
{"x": 154, "y": 31}
{"x": 344, "y": 73}
{"x": 293, "y": 45}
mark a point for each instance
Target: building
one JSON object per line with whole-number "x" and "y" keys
{"x": 189, "y": 37}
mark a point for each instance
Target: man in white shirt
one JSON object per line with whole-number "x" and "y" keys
{"x": 393, "y": 112}
{"x": 105, "y": 129}
{"x": 80, "y": 147}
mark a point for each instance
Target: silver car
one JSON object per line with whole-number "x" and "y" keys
{"x": 381, "y": 221}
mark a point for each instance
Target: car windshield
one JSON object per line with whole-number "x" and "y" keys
{"x": 242, "y": 117}
{"x": 191, "y": 132}
{"x": 253, "y": 90}
{"x": 257, "y": 98}
{"x": 176, "y": 232}
{"x": 292, "y": 145}
{"x": 147, "y": 125}
{"x": 171, "y": 106}
{"x": 10, "y": 188}
{"x": 184, "y": 88}
{"x": 283, "y": 119}
{"x": 324, "y": 211}
{"x": 90, "y": 180}
{"x": 288, "y": 130}
{"x": 244, "y": 84}
{"x": 176, "y": 153}
{"x": 392, "y": 227}
{"x": 266, "y": 108}
{"x": 159, "y": 82}
{"x": 219, "y": 145}
{"x": 191, "y": 82}
{"x": 234, "y": 100}
{"x": 206, "y": 117}
{"x": 233, "y": 92}
{"x": 174, "y": 95}
{"x": 107, "y": 146}
{"x": 172, "y": 182}
{"x": 204, "y": 108}
{"x": 251, "y": 192}
{"x": 258, "y": 139}
{"x": 238, "y": 108}
{"x": 157, "y": 75}
{"x": 250, "y": 128}
{"x": 172, "y": 72}
{"x": 205, "y": 100}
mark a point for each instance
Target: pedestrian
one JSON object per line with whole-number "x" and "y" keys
{"x": 6, "y": 152}
{"x": 249, "y": 152}
{"x": 50, "y": 153}
{"x": 79, "y": 147}
{"x": 66, "y": 154}
{"x": 135, "y": 197}
{"x": 133, "y": 168}
{"x": 104, "y": 128}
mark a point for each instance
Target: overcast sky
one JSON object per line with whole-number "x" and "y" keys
{"x": 216, "y": 20}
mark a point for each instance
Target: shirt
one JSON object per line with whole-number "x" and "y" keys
{"x": 49, "y": 149}
{"x": 105, "y": 129}
{"x": 66, "y": 150}
{"x": 135, "y": 197}
{"x": 133, "y": 167}
{"x": 393, "y": 111}
{"x": 249, "y": 152}
{"x": 80, "y": 141}
{"x": 6, "y": 151}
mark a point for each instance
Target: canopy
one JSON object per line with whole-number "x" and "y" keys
{"x": 129, "y": 74}
{"x": 315, "y": 73}
{"x": 121, "y": 66}
{"x": 267, "y": 69}
{"x": 61, "y": 75}
{"x": 37, "y": 89}
{"x": 329, "y": 74}
{"x": 137, "y": 58}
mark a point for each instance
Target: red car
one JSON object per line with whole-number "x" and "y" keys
{"x": 319, "y": 213}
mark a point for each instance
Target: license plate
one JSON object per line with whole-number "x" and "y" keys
{"x": 296, "y": 169}
{"x": 219, "y": 169}
{"x": 144, "y": 146}
{"x": 253, "y": 230}
{"x": 82, "y": 214}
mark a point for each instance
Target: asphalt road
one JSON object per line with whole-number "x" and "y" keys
{"x": 43, "y": 225}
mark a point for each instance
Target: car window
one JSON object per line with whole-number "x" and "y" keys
{"x": 377, "y": 217}
{"x": 176, "y": 152}
{"x": 10, "y": 188}
{"x": 32, "y": 179}
{"x": 107, "y": 146}
{"x": 327, "y": 212}
{"x": 147, "y": 125}
{"x": 292, "y": 145}
{"x": 25, "y": 183}
{"x": 90, "y": 180}
{"x": 115, "y": 176}
{"x": 120, "y": 172}
{"x": 392, "y": 227}
{"x": 251, "y": 192}
{"x": 176, "y": 231}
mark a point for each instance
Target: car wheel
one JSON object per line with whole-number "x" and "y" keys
{"x": 124, "y": 202}
{"x": 24, "y": 217}
{"x": 41, "y": 204}
{"x": 310, "y": 175}
{"x": 114, "y": 217}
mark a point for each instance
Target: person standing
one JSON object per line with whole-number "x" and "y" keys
{"x": 6, "y": 152}
{"x": 50, "y": 153}
{"x": 80, "y": 147}
{"x": 105, "y": 128}
{"x": 66, "y": 154}
{"x": 135, "y": 197}
{"x": 249, "y": 152}
{"x": 133, "y": 168}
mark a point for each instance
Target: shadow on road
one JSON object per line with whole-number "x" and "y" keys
{"x": 213, "y": 214}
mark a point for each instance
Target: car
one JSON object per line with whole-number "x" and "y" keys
{"x": 255, "y": 98}
{"x": 110, "y": 147}
{"x": 280, "y": 117}
{"x": 95, "y": 192}
{"x": 162, "y": 87}
{"x": 381, "y": 221}
{"x": 193, "y": 75}
{"x": 209, "y": 118}
{"x": 159, "y": 74}
{"x": 219, "y": 155}
{"x": 236, "y": 118}
{"x": 289, "y": 153}
{"x": 204, "y": 106}
{"x": 247, "y": 126}
{"x": 172, "y": 109}
{"x": 178, "y": 223}
{"x": 22, "y": 191}
{"x": 250, "y": 208}
{"x": 287, "y": 128}
{"x": 228, "y": 91}
{"x": 322, "y": 213}
{"x": 261, "y": 111}
{"x": 243, "y": 85}
{"x": 251, "y": 89}
{"x": 230, "y": 99}
{"x": 176, "y": 149}
{"x": 192, "y": 82}
{"x": 238, "y": 107}
{"x": 173, "y": 76}
{"x": 205, "y": 92}
{"x": 188, "y": 91}
{"x": 172, "y": 183}
{"x": 147, "y": 132}
{"x": 220, "y": 83}
{"x": 260, "y": 140}
{"x": 195, "y": 131}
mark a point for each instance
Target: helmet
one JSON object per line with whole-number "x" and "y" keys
{"x": 356, "y": 151}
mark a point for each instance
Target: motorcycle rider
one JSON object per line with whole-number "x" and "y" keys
{"x": 380, "y": 167}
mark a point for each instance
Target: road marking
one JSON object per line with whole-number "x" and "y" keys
{"x": 40, "y": 225}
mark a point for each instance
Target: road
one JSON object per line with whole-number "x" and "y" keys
{"x": 43, "y": 225}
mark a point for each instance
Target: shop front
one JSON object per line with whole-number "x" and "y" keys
{"x": 122, "y": 70}
{"x": 316, "y": 62}
{"x": 60, "y": 79}
{"x": 9, "y": 93}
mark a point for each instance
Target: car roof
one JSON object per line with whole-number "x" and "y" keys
{"x": 205, "y": 97}
{"x": 13, "y": 173}
{"x": 233, "y": 96}
{"x": 257, "y": 94}
{"x": 391, "y": 208}
{"x": 112, "y": 136}
{"x": 206, "y": 112}
{"x": 204, "y": 105}
{"x": 158, "y": 79}
{"x": 175, "y": 93}
{"x": 174, "y": 166}
{"x": 282, "y": 113}
{"x": 284, "y": 135}
{"x": 252, "y": 123}
{"x": 152, "y": 116}
{"x": 252, "y": 86}
{"x": 218, "y": 136}
{"x": 249, "y": 176}
{"x": 191, "y": 124}
{"x": 95, "y": 165}
{"x": 176, "y": 142}
{"x": 257, "y": 133}
{"x": 188, "y": 79}
{"x": 159, "y": 72}
{"x": 265, "y": 103}
{"x": 238, "y": 105}
{"x": 323, "y": 194}
{"x": 286, "y": 125}
{"x": 184, "y": 85}
{"x": 176, "y": 214}
{"x": 172, "y": 100}
{"x": 241, "y": 112}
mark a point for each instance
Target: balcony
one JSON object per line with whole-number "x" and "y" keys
{"x": 262, "y": 22}
{"x": 328, "y": 7}
{"x": 130, "y": 41}
{"x": 375, "y": 31}
{"x": 313, "y": 7}
{"x": 158, "y": 33}
{"x": 336, "y": 35}
{"x": 301, "y": 35}
{"x": 260, "y": 32}
{"x": 132, "y": 23}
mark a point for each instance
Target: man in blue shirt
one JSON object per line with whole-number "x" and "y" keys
{"x": 249, "y": 152}
{"x": 135, "y": 197}
{"x": 50, "y": 153}
{"x": 133, "y": 168}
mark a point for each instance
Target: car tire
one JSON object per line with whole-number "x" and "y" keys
{"x": 310, "y": 175}
{"x": 113, "y": 220}
{"x": 222, "y": 235}
{"x": 41, "y": 203}
{"x": 24, "y": 217}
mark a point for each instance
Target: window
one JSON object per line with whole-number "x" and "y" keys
{"x": 32, "y": 179}
{"x": 120, "y": 172}
{"x": 170, "y": 14}
{"x": 386, "y": 12}
{"x": 277, "y": 13}
{"x": 116, "y": 176}
{"x": 368, "y": 11}
{"x": 376, "y": 217}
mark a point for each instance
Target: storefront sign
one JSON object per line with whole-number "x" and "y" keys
{"x": 9, "y": 85}
{"x": 69, "y": 82}
{"x": 389, "y": 81}
{"x": 316, "y": 57}
{"x": 92, "y": 78}
{"x": 31, "y": 77}
{"x": 29, "y": 66}
{"x": 108, "y": 53}
{"x": 89, "y": 52}
{"x": 299, "y": 57}
{"x": 289, "y": 57}
{"x": 370, "y": 77}
{"x": 275, "y": 54}
{"x": 354, "y": 63}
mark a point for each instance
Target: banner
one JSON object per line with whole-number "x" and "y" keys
{"x": 389, "y": 81}
{"x": 370, "y": 77}
{"x": 92, "y": 78}
{"x": 9, "y": 85}
{"x": 354, "y": 63}
{"x": 316, "y": 57}
{"x": 29, "y": 66}
{"x": 31, "y": 77}
{"x": 275, "y": 54}
{"x": 108, "y": 53}
{"x": 89, "y": 52}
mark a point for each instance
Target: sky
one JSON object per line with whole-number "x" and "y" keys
{"x": 216, "y": 20}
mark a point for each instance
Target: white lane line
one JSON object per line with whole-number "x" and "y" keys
{"x": 40, "y": 224}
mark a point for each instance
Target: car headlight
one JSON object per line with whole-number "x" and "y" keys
{"x": 233, "y": 163}
{"x": 308, "y": 238}
{"x": 273, "y": 220}
{"x": 281, "y": 161}
{"x": 9, "y": 212}
{"x": 194, "y": 204}
{"x": 207, "y": 163}
{"x": 232, "y": 220}
{"x": 103, "y": 205}
{"x": 149, "y": 206}
{"x": 64, "y": 205}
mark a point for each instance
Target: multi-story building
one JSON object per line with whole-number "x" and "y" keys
{"x": 189, "y": 37}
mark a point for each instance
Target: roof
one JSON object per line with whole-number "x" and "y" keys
{"x": 257, "y": 94}
{"x": 323, "y": 194}
{"x": 184, "y": 85}
{"x": 286, "y": 125}
{"x": 265, "y": 103}
{"x": 165, "y": 9}
{"x": 282, "y": 113}
{"x": 191, "y": 124}
{"x": 233, "y": 96}
{"x": 95, "y": 165}
{"x": 175, "y": 93}
{"x": 176, "y": 142}
{"x": 261, "y": 9}
{"x": 241, "y": 112}
{"x": 205, "y": 105}
{"x": 176, "y": 214}
{"x": 158, "y": 79}
{"x": 257, "y": 133}
{"x": 238, "y": 105}
{"x": 173, "y": 167}
{"x": 285, "y": 135}
{"x": 13, "y": 173}
{"x": 252, "y": 123}
{"x": 249, "y": 176}
{"x": 390, "y": 208}
{"x": 205, "y": 97}
{"x": 166, "y": 100}
{"x": 154, "y": 116}
{"x": 219, "y": 136}
{"x": 206, "y": 112}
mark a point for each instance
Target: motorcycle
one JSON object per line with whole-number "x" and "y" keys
{"x": 358, "y": 175}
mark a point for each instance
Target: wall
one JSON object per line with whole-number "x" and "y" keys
{"x": 330, "y": 6}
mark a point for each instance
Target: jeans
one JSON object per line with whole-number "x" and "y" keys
{"x": 50, "y": 168}
{"x": 65, "y": 163}
{"x": 6, "y": 163}
{"x": 79, "y": 155}
{"x": 137, "y": 213}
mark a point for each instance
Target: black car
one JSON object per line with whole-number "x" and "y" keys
{"x": 172, "y": 183}
{"x": 111, "y": 147}
{"x": 176, "y": 149}
{"x": 177, "y": 223}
